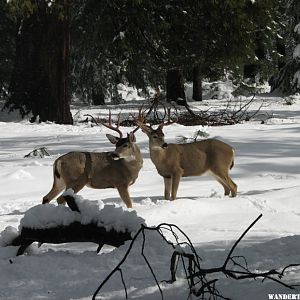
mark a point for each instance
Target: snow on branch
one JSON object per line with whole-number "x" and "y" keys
{"x": 38, "y": 152}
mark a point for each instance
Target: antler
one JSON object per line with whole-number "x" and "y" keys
{"x": 170, "y": 121}
{"x": 139, "y": 119}
{"x": 109, "y": 124}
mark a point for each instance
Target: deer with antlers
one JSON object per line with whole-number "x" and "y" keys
{"x": 174, "y": 161}
{"x": 99, "y": 170}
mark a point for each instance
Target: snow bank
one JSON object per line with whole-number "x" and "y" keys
{"x": 296, "y": 53}
{"x": 296, "y": 78}
{"x": 8, "y": 235}
{"x": 110, "y": 217}
{"x": 212, "y": 90}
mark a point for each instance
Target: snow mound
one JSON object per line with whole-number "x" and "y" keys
{"x": 219, "y": 90}
{"x": 20, "y": 174}
{"x": 8, "y": 235}
{"x": 296, "y": 53}
{"x": 110, "y": 217}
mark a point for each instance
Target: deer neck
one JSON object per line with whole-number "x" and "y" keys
{"x": 157, "y": 154}
{"x": 135, "y": 160}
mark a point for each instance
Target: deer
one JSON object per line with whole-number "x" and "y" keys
{"x": 99, "y": 170}
{"x": 174, "y": 161}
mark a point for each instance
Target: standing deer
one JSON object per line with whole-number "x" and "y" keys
{"x": 99, "y": 170}
{"x": 174, "y": 161}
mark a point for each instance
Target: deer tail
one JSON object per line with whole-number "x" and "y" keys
{"x": 56, "y": 169}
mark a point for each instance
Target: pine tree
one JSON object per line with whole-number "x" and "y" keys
{"x": 40, "y": 81}
{"x": 7, "y": 46}
{"x": 287, "y": 80}
{"x": 145, "y": 42}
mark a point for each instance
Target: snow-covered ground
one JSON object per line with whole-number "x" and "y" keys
{"x": 267, "y": 172}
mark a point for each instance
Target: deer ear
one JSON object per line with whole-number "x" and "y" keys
{"x": 131, "y": 137}
{"x": 113, "y": 139}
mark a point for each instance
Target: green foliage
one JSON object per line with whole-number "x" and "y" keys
{"x": 7, "y": 47}
{"x": 286, "y": 80}
{"x": 138, "y": 41}
{"x": 22, "y": 8}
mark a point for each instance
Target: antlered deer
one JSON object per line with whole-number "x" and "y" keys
{"x": 174, "y": 161}
{"x": 99, "y": 170}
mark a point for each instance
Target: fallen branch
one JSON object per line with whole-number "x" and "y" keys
{"x": 197, "y": 277}
{"x": 38, "y": 152}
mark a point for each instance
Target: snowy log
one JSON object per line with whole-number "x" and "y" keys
{"x": 75, "y": 232}
{"x": 82, "y": 221}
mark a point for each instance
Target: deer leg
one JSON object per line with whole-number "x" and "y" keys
{"x": 58, "y": 186}
{"x": 233, "y": 187}
{"x": 124, "y": 194}
{"x": 175, "y": 183}
{"x": 226, "y": 188}
{"x": 76, "y": 188}
{"x": 168, "y": 186}
{"x": 231, "y": 184}
{"x": 228, "y": 182}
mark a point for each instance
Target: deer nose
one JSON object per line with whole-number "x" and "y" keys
{"x": 115, "y": 156}
{"x": 164, "y": 145}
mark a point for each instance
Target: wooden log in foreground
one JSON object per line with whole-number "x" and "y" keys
{"x": 74, "y": 232}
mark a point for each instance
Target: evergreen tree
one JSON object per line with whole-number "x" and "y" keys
{"x": 287, "y": 80}
{"x": 113, "y": 42}
{"x": 148, "y": 41}
{"x": 40, "y": 82}
{"x": 7, "y": 48}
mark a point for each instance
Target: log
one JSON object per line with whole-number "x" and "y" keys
{"x": 75, "y": 232}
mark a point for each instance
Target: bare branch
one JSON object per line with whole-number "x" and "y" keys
{"x": 199, "y": 284}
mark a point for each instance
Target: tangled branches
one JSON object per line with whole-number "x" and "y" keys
{"x": 228, "y": 115}
{"x": 200, "y": 281}
{"x": 156, "y": 110}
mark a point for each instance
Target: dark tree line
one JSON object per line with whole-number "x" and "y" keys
{"x": 84, "y": 48}
{"x": 39, "y": 82}
{"x": 287, "y": 79}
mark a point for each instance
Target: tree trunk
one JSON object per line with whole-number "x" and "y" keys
{"x": 285, "y": 81}
{"x": 197, "y": 84}
{"x": 250, "y": 71}
{"x": 40, "y": 81}
{"x": 175, "y": 87}
{"x": 98, "y": 97}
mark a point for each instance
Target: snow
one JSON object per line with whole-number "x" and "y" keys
{"x": 107, "y": 216}
{"x": 213, "y": 90}
{"x": 267, "y": 171}
{"x": 296, "y": 78}
{"x": 297, "y": 28}
{"x": 8, "y": 235}
{"x": 296, "y": 53}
